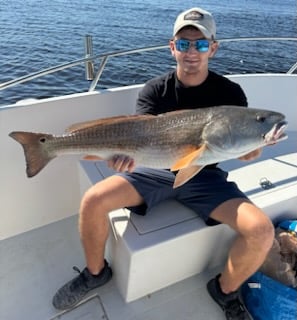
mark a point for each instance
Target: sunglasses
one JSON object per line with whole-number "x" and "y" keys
{"x": 183, "y": 45}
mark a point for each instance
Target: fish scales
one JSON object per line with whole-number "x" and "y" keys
{"x": 154, "y": 131}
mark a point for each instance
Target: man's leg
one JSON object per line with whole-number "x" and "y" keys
{"x": 254, "y": 240}
{"x": 112, "y": 193}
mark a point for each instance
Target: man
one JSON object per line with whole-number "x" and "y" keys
{"x": 191, "y": 85}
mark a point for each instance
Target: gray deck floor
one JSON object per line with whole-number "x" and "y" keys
{"x": 35, "y": 264}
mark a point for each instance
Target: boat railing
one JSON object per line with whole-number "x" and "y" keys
{"x": 89, "y": 60}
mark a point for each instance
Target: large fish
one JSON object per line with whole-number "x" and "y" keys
{"x": 184, "y": 140}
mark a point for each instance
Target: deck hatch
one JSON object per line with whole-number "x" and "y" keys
{"x": 89, "y": 309}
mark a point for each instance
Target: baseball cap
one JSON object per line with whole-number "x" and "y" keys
{"x": 198, "y": 18}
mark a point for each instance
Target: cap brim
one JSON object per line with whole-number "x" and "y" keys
{"x": 205, "y": 32}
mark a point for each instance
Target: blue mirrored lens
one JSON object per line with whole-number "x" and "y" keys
{"x": 184, "y": 45}
{"x": 202, "y": 45}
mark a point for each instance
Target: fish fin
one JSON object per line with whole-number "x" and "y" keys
{"x": 92, "y": 158}
{"x": 189, "y": 158}
{"x": 185, "y": 174}
{"x": 37, "y": 157}
{"x": 105, "y": 121}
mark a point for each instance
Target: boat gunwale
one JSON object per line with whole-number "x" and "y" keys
{"x": 105, "y": 56}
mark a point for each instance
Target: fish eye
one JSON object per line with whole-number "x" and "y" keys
{"x": 260, "y": 118}
{"x": 42, "y": 140}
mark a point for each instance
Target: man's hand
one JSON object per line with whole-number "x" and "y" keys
{"x": 251, "y": 155}
{"x": 121, "y": 163}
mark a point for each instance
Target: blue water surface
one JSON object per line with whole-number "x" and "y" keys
{"x": 40, "y": 34}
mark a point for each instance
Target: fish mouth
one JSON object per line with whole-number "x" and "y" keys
{"x": 276, "y": 134}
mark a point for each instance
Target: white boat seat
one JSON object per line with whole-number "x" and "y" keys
{"x": 167, "y": 245}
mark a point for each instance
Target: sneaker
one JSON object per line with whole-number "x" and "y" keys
{"x": 231, "y": 304}
{"x": 74, "y": 291}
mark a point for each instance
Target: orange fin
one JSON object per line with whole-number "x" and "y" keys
{"x": 189, "y": 158}
{"x": 185, "y": 174}
{"x": 91, "y": 157}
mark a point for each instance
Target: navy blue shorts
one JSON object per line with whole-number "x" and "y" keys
{"x": 203, "y": 193}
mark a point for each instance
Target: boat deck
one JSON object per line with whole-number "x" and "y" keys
{"x": 38, "y": 262}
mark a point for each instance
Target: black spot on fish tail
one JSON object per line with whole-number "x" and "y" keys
{"x": 36, "y": 155}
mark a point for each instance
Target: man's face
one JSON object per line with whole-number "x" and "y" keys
{"x": 192, "y": 61}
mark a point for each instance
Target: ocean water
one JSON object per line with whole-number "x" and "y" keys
{"x": 41, "y": 34}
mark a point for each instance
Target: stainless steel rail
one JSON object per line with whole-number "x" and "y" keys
{"x": 105, "y": 56}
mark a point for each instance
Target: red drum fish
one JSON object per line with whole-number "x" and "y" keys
{"x": 184, "y": 141}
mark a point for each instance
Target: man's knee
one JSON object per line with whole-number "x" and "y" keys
{"x": 110, "y": 194}
{"x": 248, "y": 220}
{"x": 92, "y": 204}
{"x": 262, "y": 233}
{"x": 90, "y": 198}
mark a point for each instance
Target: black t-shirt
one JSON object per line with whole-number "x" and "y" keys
{"x": 166, "y": 93}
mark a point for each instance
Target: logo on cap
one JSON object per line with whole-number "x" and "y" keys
{"x": 193, "y": 15}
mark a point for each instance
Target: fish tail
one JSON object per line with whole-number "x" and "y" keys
{"x": 36, "y": 154}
